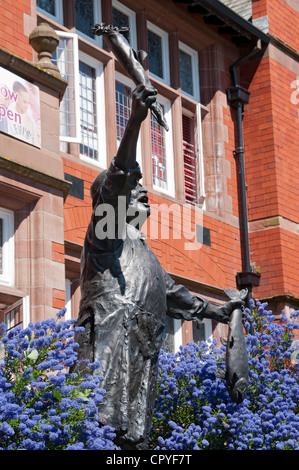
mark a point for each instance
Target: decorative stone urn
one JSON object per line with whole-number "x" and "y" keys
{"x": 44, "y": 41}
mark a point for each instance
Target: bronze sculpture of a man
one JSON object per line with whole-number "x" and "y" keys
{"x": 126, "y": 294}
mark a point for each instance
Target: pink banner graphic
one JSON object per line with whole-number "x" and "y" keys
{"x": 19, "y": 108}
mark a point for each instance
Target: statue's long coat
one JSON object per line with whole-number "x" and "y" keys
{"x": 125, "y": 295}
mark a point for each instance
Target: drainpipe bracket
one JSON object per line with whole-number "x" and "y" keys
{"x": 237, "y": 95}
{"x": 248, "y": 279}
{"x": 238, "y": 150}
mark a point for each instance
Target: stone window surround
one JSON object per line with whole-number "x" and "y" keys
{"x": 131, "y": 18}
{"x": 164, "y": 50}
{"x": 58, "y": 11}
{"x": 100, "y": 104}
{"x": 97, "y": 12}
{"x": 7, "y": 275}
{"x": 194, "y": 65}
{"x": 37, "y": 208}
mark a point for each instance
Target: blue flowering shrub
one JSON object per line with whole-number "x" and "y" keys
{"x": 193, "y": 410}
{"x": 42, "y": 406}
{"x": 45, "y": 407}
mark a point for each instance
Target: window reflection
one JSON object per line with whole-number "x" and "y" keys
{"x": 155, "y": 55}
{"x": 84, "y": 16}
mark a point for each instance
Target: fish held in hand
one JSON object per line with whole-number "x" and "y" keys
{"x": 236, "y": 373}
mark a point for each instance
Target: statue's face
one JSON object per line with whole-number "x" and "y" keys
{"x": 139, "y": 206}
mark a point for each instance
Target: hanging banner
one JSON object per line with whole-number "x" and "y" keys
{"x": 19, "y": 108}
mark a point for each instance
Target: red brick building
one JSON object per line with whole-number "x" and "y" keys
{"x": 223, "y": 182}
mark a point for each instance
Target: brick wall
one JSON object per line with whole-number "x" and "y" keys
{"x": 280, "y": 13}
{"x": 271, "y": 130}
{"x": 16, "y": 24}
{"x": 77, "y": 211}
{"x": 169, "y": 234}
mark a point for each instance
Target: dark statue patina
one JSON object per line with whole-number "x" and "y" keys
{"x": 125, "y": 293}
{"x": 236, "y": 373}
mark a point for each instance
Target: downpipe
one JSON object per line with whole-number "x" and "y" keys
{"x": 238, "y": 96}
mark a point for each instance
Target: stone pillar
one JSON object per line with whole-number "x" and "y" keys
{"x": 215, "y": 132}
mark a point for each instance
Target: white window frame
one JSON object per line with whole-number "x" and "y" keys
{"x": 100, "y": 110}
{"x": 97, "y": 16}
{"x": 170, "y": 190}
{"x": 68, "y": 299}
{"x": 132, "y": 21}
{"x": 26, "y": 311}
{"x": 195, "y": 72}
{"x": 8, "y": 250}
{"x": 165, "y": 53}
{"x": 59, "y": 12}
{"x": 129, "y": 83}
{"x": 177, "y": 335}
{"x": 198, "y": 148}
{"x": 74, "y": 37}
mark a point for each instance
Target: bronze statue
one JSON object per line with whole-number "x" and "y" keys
{"x": 125, "y": 292}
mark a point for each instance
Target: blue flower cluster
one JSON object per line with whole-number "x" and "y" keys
{"x": 45, "y": 407}
{"x": 42, "y": 405}
{"x": 194, "y": 411}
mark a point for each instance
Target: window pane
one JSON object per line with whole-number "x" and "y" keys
{"x": 190, "y": 160}
{"x": 121, "y": 20}
{"x": 158, "y": 153}
{"x": 155, "y": 54}
{"x": 47, "y": 5}
{"x": 84, "y": 16}
{"x": 63, "y": 56}
{"x": 123, "y": 108}
{"x": 14, "y": 316}
{"x": 186, "y": 72}
{"x": 88, "y": 115}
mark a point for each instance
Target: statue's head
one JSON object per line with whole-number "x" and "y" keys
{"x": 138, "y": 206}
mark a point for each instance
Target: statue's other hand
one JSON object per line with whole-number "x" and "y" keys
{"x": 222, "y": 313}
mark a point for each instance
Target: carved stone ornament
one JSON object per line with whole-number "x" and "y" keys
{"x": 44, "y": 41}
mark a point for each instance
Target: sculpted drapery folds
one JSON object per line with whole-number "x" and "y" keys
{"x": 126, "y": 294}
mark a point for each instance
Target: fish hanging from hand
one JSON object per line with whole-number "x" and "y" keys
{"x": 130, "y": 60}
{"x": 236, "y": 373}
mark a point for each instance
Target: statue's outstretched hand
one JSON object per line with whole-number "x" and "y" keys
{"x": 142, "y": 98}
{"x": 223, "y": 312}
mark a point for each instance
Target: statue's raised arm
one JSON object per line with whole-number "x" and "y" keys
{"x": 130, "y": 60}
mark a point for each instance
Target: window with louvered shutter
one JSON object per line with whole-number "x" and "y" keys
{"x": 190, "y": 160}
